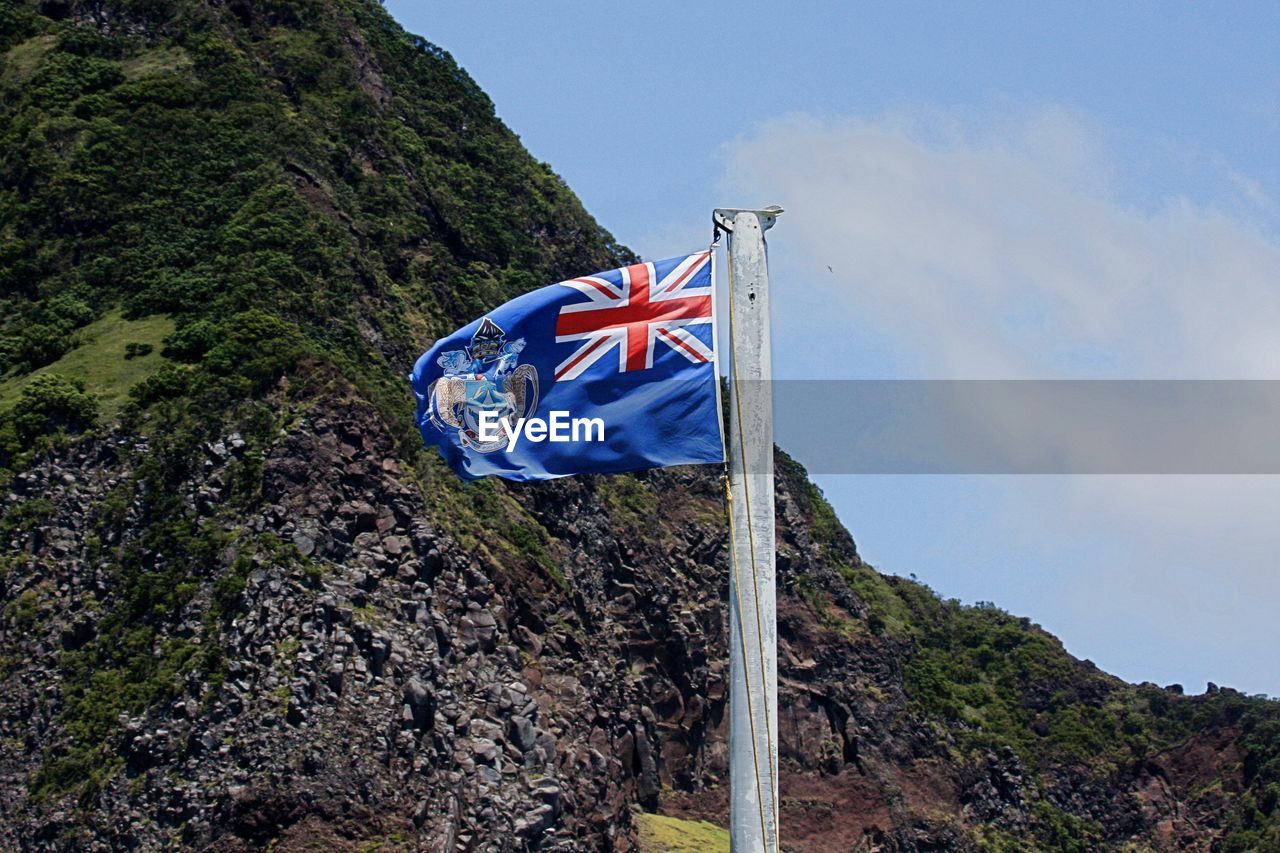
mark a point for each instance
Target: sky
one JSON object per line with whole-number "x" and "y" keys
{"x": 973, "y": 191}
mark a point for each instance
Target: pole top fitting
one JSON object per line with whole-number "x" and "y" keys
{"x": 722, "y": 217}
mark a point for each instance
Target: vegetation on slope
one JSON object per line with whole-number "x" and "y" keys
{"x": 207, "y": 164}
{"x": 663, "y": 834}
{"x": 262, "y": 191}
{"x": 999, "y": 681}
{"x": 112, "y": 356}
{"x": 197, "y": 200}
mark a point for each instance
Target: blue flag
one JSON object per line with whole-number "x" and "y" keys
{"x": 609, "y": 372}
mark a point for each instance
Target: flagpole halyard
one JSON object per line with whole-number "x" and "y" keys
{"x": 753, "y": 810}
{"x": 735, "y": 602}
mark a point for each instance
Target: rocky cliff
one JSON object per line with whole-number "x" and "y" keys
{"x": 240, "y": 608}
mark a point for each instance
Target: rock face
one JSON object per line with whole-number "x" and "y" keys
{"x": 385, "y": 680}
{"x": 249, "y": 611}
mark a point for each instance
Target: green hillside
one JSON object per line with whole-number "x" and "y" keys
{"x": 240, "y": 606}
{"x": 111, "y": 355}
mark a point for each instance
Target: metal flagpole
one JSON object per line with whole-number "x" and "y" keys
{"x": 753, "y": 656}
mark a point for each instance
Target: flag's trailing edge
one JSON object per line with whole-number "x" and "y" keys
{"x": 621, "y": 364}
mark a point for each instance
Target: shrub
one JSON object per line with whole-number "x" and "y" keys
{"x": 40, "y": 344}
{"x": 257, "y": 346}
{"x": 53, "y": 403}
{"x": 168, "y": 382}
{"x": 68, "y": 311}
{"x": 190, "y": 342}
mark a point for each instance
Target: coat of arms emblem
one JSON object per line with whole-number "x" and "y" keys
{"x": 483, "y": 377}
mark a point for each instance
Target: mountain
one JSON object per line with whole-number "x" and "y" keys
{"x": 240, "y": 607}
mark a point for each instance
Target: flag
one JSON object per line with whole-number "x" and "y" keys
{"x": 605, "y": 373}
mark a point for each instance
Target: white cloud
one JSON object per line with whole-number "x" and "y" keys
{"x": 1011, "y": 250}
{"x": 1008, "y": 252}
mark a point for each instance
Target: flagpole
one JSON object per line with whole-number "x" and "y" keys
{"x": 753, "y": 656}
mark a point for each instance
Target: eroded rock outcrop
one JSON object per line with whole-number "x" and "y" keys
{"x": 376, "y": 677}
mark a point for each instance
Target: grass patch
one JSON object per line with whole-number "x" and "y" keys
{"x": 23, "y": 611}
{"x": 887, "y": 613}
{"x": 150, "y": 63}
{"x": 528, "y": 542}
{"x": 820, "y": 603}
{"x": 628, "y": 499}
{"x": 368, "y": 616}
{"x": 661, "y": 834}
{"x": 23, "y": 60}
{"x": 100, "y": 360}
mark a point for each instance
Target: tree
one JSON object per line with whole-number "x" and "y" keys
{"x": 52, "y": 403}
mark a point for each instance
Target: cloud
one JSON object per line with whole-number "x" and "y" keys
{"x": 931, "y": 245}
{"x": 1008, "y": 251}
